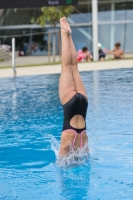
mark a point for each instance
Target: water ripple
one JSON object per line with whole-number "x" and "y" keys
{"x": 30, "y": 128}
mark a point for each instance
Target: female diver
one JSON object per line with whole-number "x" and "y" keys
{"x": 72, "y": 94}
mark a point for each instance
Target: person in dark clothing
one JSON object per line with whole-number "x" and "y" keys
{"x": 102, "y": 55}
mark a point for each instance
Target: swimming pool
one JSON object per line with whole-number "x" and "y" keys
{"x": 30, "y": 129}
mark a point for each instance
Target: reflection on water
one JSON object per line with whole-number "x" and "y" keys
{"x": 95, "y": 88}
{"x": 14, "y": 98}
{"x": 76, "y": 179}
{"x": 73, "y": 172}
{"x": 30, "y": 128}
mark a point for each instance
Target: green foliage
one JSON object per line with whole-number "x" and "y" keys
{"x": 52, "y": 15}
{"x": 1, "y": 59}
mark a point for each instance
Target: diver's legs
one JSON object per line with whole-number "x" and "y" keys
{"x": 79, "y": 86}
{"x": 66, "y": 83}
{"x": 70, "y": 83}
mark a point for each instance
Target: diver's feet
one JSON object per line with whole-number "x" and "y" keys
{"x": 64, "y": 25}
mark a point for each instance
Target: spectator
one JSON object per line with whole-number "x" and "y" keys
{"x": 25, "y": 48}
{"x": 84, "y": 55}
{"x": 101, "y": 53}
{"x": 117, "y": 51}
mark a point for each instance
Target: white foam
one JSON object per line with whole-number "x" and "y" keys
{"x": 73, "y": 158}
{"x": 54, "y": 145}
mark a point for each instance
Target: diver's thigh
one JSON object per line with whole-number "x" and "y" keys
{"x": 79, "y": 85}
{"x": 66, "y": 85}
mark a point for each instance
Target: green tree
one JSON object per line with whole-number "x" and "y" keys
{"x": 52, "y": 15}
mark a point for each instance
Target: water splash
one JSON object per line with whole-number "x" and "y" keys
{"x": 74, "y": 158}
{"x": 54, "y": 145}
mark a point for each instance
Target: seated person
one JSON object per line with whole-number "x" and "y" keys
{"x": 117, "y": 51}
{"x": 101, "y": 53}
{"x": 84, "y": 55}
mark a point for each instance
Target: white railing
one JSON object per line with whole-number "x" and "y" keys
{"x": 13, "y": 57}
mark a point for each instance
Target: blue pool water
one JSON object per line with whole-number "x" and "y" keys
{"x": 30, "y": 130}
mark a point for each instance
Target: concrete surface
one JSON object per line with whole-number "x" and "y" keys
{"x": 37, "y": 60}
{"x": 52, "y": 69}
{"x": 28, "y": 60}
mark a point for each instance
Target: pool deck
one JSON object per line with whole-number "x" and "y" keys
{"x": 55, "y": 69}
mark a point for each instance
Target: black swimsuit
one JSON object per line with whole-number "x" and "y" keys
{"x": 76, "y": 106}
